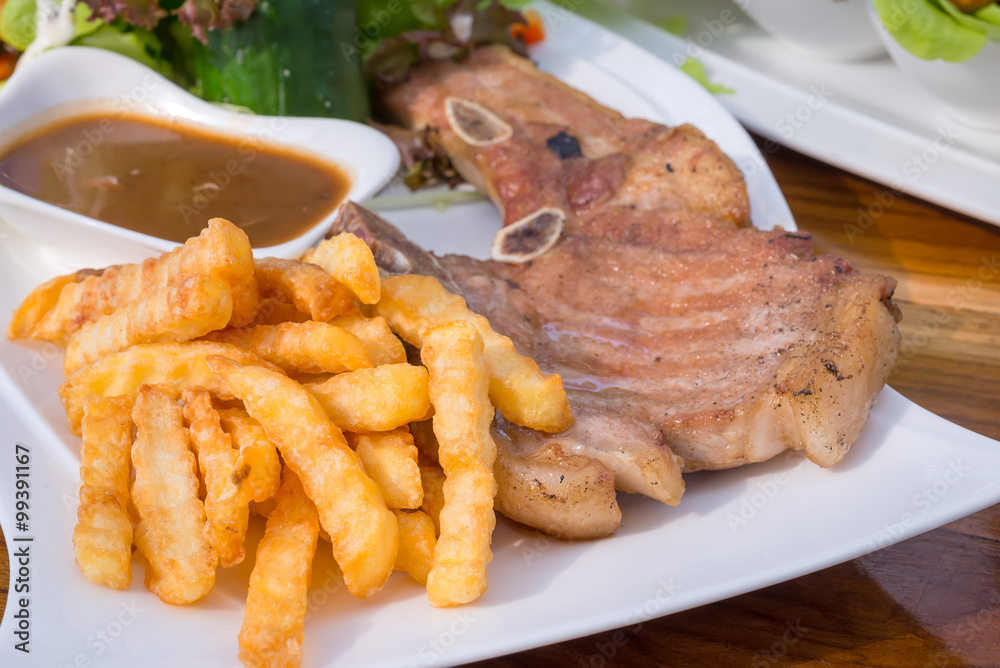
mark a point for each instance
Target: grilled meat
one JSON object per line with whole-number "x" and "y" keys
{"x": 685, "y": 340}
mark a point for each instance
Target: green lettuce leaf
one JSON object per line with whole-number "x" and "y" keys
{"x": 17, "y": 22}
{"x": 696, "y": 70}
{"x": 986, "y": 20}
{"x": 928, "y": 31}
{"x": 133, "y": 42}
{"x": 675, "y": 25}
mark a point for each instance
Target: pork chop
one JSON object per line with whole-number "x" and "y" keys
{"x": 685, "y": 340}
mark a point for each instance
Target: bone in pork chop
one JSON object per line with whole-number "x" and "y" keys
{"x": 685, "y": 340}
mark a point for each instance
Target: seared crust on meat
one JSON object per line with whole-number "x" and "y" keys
{"x": 623, "y": 162}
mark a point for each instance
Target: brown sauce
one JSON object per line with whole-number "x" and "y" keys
{"x": 167, "y": 180}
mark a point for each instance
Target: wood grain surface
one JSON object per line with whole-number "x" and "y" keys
{"x": 928, "y": 602}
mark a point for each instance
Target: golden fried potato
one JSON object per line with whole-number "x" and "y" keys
{"x": 246, "y": 302}
{"x": 221, "y": 250}
{"x": 310, "y": 288}
{"x": 122, "y": 373}
{"x": 266, "y": 507}
{"x": 459, "y": 389}
{"x": 351, "y": 509}
{"x": 183, "y": 310}
{"x": 390, "y": 459}
{"x": 171, "y": 528}
{"x": 227, "y": 508}
{"x": 416, "y": 543}
{"x": 239, "y": 336}
{"x": 432, "y": 480}
{"x": 349, "y": 260}
{"x": 102, "y": 539}
{"x": 379, "y": 399}
{"x": 274, "y": 621}
{"x": 411, "y": 304}
{"x": 383, "y": 346}
{"x": 274, "y": 311}
{"x": 41, "y": 300}
{"x": 258, "y": 469}
{"x": 310, "y": 347}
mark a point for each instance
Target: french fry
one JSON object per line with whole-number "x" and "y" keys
{"x": 122, "y": 373}
{"x": 378, "y": 399}
{"x": 258, "y": 469}
{"x": 411, "y": 304}
{"x": 310, "y": 288}
{"x": 41, "y": 300}
{"x": 363, "y": 532}
{"x": 183, "y": 310}
{"x": 390, "y": 459}
{"x": 239, "y": 336}
{"x": 264, "y": 508}
{"x": 246, "y": 302}
{"x": 274, "y": 311}
{"x": 349, "y": 260}
{"x": 416, "y": 543}
{"x": 226, "y": 506}
{"x": 274, "y": 621}
{"x": 171, "y": 528}
{"x": 310, "y": 347}
{"x": 221, "y": 250}
{"x": 102, "y": 538}
{"x": 432, "y": 480}
{"x": 459, "y": 382}
{"x": 383, "y": 346}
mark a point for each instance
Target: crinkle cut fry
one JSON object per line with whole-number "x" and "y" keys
{"x": 221, "y": 250}
{"x": 171, "y": 528}
{"x": 310, "y": 347}
{"x": 383, "y": 346}
{"x": 417, "y": 539}
{"x": 40, "y": 301}
{"x": 183, "y": 310}
{"x": 453, "y": 353}
{"x": 349, "y": 259}
{"x": 227, "y": 509}
{"x": 258, "y": 467}
{"x": 274, "y": 620}
{"x": 179, "y": 364}
{"x": 102, "y": 538}
{"x": 378, "y": 399}
{"x": 412, "y": 303}
{"x": 310, "y": 288}
{"x": 363, "y": 532}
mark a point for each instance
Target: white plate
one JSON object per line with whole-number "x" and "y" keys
{"x": 735, "y": 531}
{"x": 866, "y": 117}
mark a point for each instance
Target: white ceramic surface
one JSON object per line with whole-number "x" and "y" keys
{"x": 834, "y": 29}
{"x": 970, "y": 89}
{"x": 735, "y": 530}
{"x": 73, "y": 80}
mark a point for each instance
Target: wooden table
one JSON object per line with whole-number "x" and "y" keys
{"x": 931, "y": 601}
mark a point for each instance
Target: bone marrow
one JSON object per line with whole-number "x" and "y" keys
{"x": 476, "y": 124}
{"x": 529, "y": 237}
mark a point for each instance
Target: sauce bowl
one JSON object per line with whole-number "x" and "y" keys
{"x": 72, "y": 81}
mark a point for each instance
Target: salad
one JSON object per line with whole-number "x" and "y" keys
{"x": 276, "y": 57}
{"x": 949, "y": 30}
